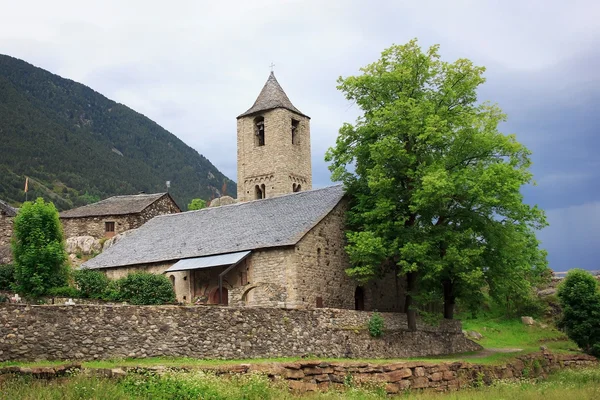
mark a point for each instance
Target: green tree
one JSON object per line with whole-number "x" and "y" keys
{"x": 579, "y": 298}
{"x": 196, "y": 204}
{"x": 434, "y": 186}
{"x": 38, "y": 249}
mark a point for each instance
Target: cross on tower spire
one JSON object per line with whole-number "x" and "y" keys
{"x": 272, "y": 65}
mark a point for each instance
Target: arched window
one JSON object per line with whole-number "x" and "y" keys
{"x": 359, "y": 299}
{"x": 172, "y": 279}
{"x": 295, "y": 126}
{"x": 259, "y": 131}
{"x": 258, "y": 192}
{"x": 296, "y": 187}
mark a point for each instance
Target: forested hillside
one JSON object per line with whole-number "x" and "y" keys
{"x": 77, "y": 146}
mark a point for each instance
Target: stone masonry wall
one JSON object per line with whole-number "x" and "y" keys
{"x": 93, "y": 332}
{"x": 279, "y": 163}
{"x": 6, "y": 230}
{"x": 94, "y": 226}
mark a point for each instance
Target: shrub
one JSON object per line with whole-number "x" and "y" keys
{"x": 376, "y": 325}
{"x": 579, "y": 297}
{"x": 64, "y": 291}
{"x": 112, "y": 292}
{"x": 92, "y": 284}
{"x": 7, "y": 276}
{"x": 38, "y": 250}
{"x": 143, "y": 288}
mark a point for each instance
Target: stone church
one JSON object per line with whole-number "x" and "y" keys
{"x": 281, "y": 244}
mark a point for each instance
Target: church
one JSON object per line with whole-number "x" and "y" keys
{"x": 281, "y": 244}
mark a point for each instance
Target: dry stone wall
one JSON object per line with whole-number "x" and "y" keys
{"x": 6, "y": 230}
{"x": 58, "y": 332}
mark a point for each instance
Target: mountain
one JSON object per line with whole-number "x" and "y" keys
{"x": 76, "y": 146}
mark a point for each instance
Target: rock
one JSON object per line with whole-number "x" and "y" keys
{"x": 222, "y": 201}
{"x": 116, "y": 238}
{"x": 474, "y": 335}
{"x": 527, "y": 320}
{"x": 86, "y": 245}
{"x": 395, "y": 376}
{"x": 420, "y": 382}
{"x": 547, "y": 292}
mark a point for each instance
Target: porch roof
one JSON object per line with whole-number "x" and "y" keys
{"x": 208, "y": 261}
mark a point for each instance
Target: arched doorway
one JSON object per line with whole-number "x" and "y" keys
{"x": 213, "y": 297}
{"x": 359, "y": 299}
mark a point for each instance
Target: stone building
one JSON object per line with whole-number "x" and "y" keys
{"x": 281, "y": 245}
{"x": 7, "y": 215}
{"x": 273, "y": 146}
{"x": 116, "y": 214}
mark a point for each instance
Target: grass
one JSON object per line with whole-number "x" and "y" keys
{"x": 563, "y": 385}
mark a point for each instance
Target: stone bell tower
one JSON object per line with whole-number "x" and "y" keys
{"x": 273, "y": 146}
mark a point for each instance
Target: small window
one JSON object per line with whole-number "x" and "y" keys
{"x": 244, "y": 278}
{"x": 109, "y": 229}
{"x": 319, "y": 302}
{"x": 295, "y": 126}
{"x": 259, "y": 192}
{"x": 296, "y": 187}
{"x": 259, "y": 131}
{"x": 172, "y": 279}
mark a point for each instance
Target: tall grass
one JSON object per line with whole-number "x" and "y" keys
{"x": 563, "y": 385}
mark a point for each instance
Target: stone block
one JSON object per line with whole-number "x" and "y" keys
{"x": 436, "y": 376}
{"x": 293, "y": 373}
{"x": 397, "y": 375}
{"x": 420, "y": 382}
{"x": 419, "y": 371}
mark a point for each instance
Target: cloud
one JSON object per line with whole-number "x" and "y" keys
{"x": 572, "y": 237}
{"x": 193, "y": 66}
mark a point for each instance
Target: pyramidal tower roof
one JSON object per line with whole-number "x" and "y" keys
{"x": 272, "y": 96}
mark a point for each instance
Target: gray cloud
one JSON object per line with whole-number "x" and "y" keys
{"x": 193, "y": 66}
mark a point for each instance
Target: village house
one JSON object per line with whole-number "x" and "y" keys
{"x": 116, "y": 214}
{"x": 281, "y": 245}
{"x": 7, "y": 215}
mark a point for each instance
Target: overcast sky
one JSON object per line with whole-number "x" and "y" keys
{"x": 193, "y": 66}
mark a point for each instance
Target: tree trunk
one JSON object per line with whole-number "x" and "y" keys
{"x": 449, "y": 299}
{"x": 411, "y": 314}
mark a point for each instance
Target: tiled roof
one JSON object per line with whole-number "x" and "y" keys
{"x": 271, "y": 96}
{"x": 273, "y": 222}
{"x": 116, "y": 205}
{"x": 7, "y": 209}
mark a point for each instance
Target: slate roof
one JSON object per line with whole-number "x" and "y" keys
{"x": 273, "y": 222}
{"x": 272, "y": 96}
{"x": 7, "y": 209}
{"x": 116, "y": 205}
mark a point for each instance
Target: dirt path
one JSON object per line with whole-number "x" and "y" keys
{"x": 488, "y": 352}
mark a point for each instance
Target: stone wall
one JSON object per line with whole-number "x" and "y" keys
{"x": 279, "y": 164}
{"x": 6, "y": 230}
{"x": 56, "y": 332}
{"x": 94, "y": 225}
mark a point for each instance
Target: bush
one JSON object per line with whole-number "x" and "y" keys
{"x": 579, "y": 297}
{"x": 64, "y": 291}
{"x": 112, "y": 292}
{"x": 376, "y": 325}
{"x": 92, "y": 284}
{"x": 7, "y": 276}
{"x": 143, "y": 288}
{"x": 38, "y": 249}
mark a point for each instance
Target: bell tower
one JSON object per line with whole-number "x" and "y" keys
{"x": 273, "y": 146}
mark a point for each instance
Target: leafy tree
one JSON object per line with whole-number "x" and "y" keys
{"x": 196, "y": 204}
{"x": 434, "y": 185}
{"x": 579, "y": 298}
{"x": 38, "y": 249}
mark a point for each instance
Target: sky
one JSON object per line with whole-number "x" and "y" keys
{"x": 193, "y": 66}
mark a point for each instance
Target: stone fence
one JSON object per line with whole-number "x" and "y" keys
{"x": 86, "y": 332}
{"x": 313, "y": 375}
